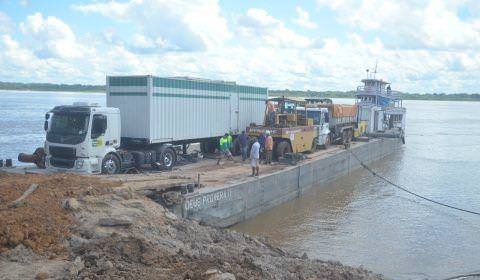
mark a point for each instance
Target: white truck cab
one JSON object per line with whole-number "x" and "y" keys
{"x": 320, "y": 120}
{"x": 82, "y": 138}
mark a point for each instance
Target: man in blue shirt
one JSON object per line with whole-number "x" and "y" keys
{"x": 243, "y": 139}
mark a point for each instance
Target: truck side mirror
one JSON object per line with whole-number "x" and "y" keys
{"x": 45, "y": 124}
{"x": 99, "y": 125}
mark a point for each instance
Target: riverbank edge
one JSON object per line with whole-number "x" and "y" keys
{"x": 117, "y": 234}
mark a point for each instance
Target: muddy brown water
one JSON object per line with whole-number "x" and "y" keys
{"x": 360, "y": 220}
{"x": 356, "y": 219}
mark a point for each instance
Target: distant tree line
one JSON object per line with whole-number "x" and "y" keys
{"x": 51, "y": 87}
{"x": 351, "y": 94}
{"x": 286, "y": 92}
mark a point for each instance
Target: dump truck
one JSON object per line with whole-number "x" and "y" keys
{"x": 291, "y": 130}
{"x": 341, "y": 119}
{"x": 148, "y": 120}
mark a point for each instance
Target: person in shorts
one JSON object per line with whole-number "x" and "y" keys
{"x": 255, "y": 158}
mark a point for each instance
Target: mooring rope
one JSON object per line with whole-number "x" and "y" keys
{"x": 408, "y": 191}
{"x": 463, "y": 276}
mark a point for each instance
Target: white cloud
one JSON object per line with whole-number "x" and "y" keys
{"x": 257, "y": 24}
{"x": 431, "y": 24}
{"x": 21, "y": 63}
{"x": 185, "y": 25}
{"x": 259, "y": 49}
{"x": 303, "y": 19}
{"x": 6, "y": 24}
{"x": 52, "y": 37}
{"x": 140, "y": 41}
{"x": 112, "y": 9}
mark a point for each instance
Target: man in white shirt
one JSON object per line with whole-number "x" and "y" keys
{"x": 255, "y": 157}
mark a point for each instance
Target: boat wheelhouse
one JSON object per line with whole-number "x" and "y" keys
{"x": 380, "y": 109}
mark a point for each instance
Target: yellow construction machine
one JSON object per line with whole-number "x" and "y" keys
{"x": 291, "y": 129}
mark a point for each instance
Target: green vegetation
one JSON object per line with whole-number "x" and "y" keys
{"x": 351, "y": 94}
{"x": 286, "y": 92}
{"x": 51, "y": 87}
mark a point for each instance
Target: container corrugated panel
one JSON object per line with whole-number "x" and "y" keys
{"x": 175, "y": 109}
{"x": 130, "y": 95}
{"x": 186, "y": 109}
{"x": 251, "y": 105}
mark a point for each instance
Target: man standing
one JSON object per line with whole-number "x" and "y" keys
{"x": 255, "y": 157}
{"x": 243, "y": 139}
{"x": 224, "y": 149}
{"x": 261, "y": 141}
{"x": 268, "y": 148}
{"x": 229, "y": 139}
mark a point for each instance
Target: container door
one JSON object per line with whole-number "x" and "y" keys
{"x": 234, "y": 113}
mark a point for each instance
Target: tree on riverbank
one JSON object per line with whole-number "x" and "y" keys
{"x": 285, "y": 92}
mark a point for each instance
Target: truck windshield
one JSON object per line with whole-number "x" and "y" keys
{"x": 68, "y": 128}
{"x": 71, "y": 124}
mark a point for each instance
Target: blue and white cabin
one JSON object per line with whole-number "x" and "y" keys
{"x": 381, "y": 108}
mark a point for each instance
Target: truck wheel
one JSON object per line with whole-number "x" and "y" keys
{"x": 208, "y": 146}
{"x": 168, "y": 158}
{"x": 328, "y": 141}
{"x": 314, "y": 145}
{"x": 344, "y": 137}
{"x": 283, "y": 148}
{"x": 110, "y": 164}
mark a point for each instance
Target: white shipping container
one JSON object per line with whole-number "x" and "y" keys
{"x": 162, "y": 110}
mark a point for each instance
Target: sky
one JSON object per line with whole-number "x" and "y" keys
{"x": 420, "y": 46}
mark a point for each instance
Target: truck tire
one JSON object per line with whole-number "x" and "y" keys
{"x": 344, "y": 137}
{"x": 208, "y": 146}
{"x": 328, "y": 141}
{"x": 168, "y": 158}
{"x": 283, "y": 148}
{"x": 110, "y": 164}
{"x": 314, "y": 145}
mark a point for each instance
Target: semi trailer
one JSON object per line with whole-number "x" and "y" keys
{"x": 148, "y": 120}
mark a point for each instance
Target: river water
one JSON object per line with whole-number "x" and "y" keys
{"x": 360, "y": 220}
{"x": 357, "y": 219}
{"x": 22, "y": 114}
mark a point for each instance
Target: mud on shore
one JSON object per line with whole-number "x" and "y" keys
{"x": 81, "y": 227}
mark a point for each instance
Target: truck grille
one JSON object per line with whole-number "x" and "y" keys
{"x": 62, "y": 163}
{"x": 62, "y": 152}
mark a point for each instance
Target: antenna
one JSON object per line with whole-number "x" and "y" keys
{"x": 375, "y": 72}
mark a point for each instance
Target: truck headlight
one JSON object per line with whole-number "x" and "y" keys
{"x": 79, "y": 164}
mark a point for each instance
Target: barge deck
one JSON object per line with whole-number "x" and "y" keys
{"x": 227, "y": 195}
